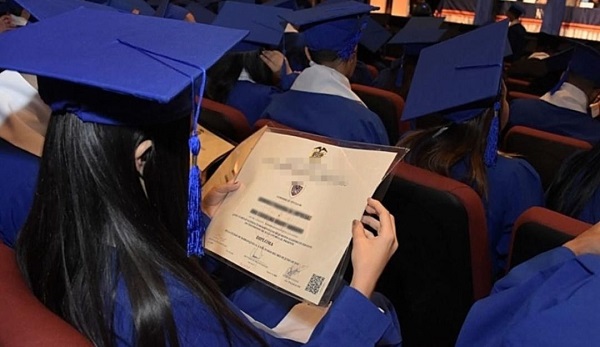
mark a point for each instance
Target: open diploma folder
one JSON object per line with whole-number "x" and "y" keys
{"x": 290, "y": 223}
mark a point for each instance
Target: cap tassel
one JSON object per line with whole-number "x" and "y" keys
{"x": 400, "y": 73}
{"x": 491, "y": 148}
{"x": 560, "y": 82}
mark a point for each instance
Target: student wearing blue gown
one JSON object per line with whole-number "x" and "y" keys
{"x": 320, "y": 100}
{"x": 565, "y": 109}
{"x": 575, "y": 190}
{"x": 465, "y": 147}
{"x": 550, "y": 300}
{"x": 23, "y": 121}
{"x": 117, "y": 203}
{"x": 252, "y": 72}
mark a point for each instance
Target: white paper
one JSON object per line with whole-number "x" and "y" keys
{"x": 290, "y": 222}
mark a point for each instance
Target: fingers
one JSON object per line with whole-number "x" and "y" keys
{"x": 371, "y": 221}
{"x": 227, "y": 187}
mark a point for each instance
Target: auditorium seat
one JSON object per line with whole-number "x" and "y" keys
{"x": 387, "y": 105}
{"x": 538, "y": 230}
{"x": 442, "y": 265}
{"x": 520, "y": 95}
{"x": 224, "y": 120}
{"x": 24, "y": 320}
{"x": 543, "y": 150}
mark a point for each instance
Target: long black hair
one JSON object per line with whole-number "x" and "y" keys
{"x": 223, "y": 75}
{"x": 92, "y": 225}
{"x": 575, "y": 183}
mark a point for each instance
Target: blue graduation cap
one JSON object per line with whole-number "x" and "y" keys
{"x": 137, "y": 70}
{"x": 374, "y": 35}
{"x": 42, "y": 9}
{"x": 264, "y": 23}
{"x": 461, "y": 78}
{"x": 585, "y": 63}
{"x": 516, "y": 9}
{"x": 418, "y": 33}
{"x": 289, "y": 4}
{"x": 335, "y": 27}
{"x": 559, "y": 61}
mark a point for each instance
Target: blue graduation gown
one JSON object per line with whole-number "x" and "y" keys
{"x": 328, "y": 115}
{"x": 18, "y": 178}
{"x": 550, "y": 300}
{"x": 513, "y": 187}
{"x": 352, "y": 320}
{"x": 541, "y": 115}
{"x": 591, "y": 210}
{"x": 251, "y": 98}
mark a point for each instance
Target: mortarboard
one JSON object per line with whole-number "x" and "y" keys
{"x": 585, "y": 63}
{"x": 558, "y": 61}
{"x": 42, "y": 9}
{"x": 516, "y": 9}
{"x": 289, "y": 4}
{"x": 137, "y": 70}
{"x": 334, "y": 27}
{"x": 374, "y": 35}
{"x": 264, "y": 23}
{"x": 460, "y": 78}
{"x": 418, "y": 33}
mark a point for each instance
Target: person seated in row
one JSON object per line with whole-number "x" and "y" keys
{"x": 321, "y": 100}
{"x": 472, "y": 100}
{"x": 23, "y": 121}
{"x": 550, "y": 300}
{"x": 575, "y": 190}
{"x": 252, "y": 71}
{"x": 116, "y": 200}
{"x": 565, "y": 110}
{"x": 517, "y": 35}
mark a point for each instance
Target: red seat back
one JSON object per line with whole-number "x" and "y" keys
{"x": 387, "y": 105}
{"x": 443, "y": 264}
{"x": 543, "y": 150}
{"x": 25, "y": 321}
{"x": 224, "y": 120}
{"x": 538, "y": 230}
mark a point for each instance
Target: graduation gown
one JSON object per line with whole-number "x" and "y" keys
{"x": 513, "y": 187}
{"x": 548, "y": 301}
{"x": 251, "y": 98}
{"x": 321, "y": 102}
{"x": 328, "y": 115}
{"x": 542, "y": 115}
{"x": 18, "y": 178}
{"x": 352, "y": 320}
{"x": 591, "y": 210}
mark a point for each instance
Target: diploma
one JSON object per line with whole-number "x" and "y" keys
{"x": 290, "y": 222}
{"x": 212, "y": 147}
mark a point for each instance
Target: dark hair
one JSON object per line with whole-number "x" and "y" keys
{"x": 441, "y": 152}
{"x": 575, "y": 183}
{"x": 323, "y": 56}
{"x": 223, "y": 75}
{"x": 92, "y": 225}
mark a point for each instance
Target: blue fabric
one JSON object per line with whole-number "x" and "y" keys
{"x": 591, "y": 210}
{"x": 327, "y": 115}
{"x": 513, "y": 187}
{"x": 554, "y": 14}
{"x": 251, "y": 98}
{"x": 484, "y": 12}
{"x": 541, "y": 115}
{"x": 18, "y": 178}
{"x": 550, "y": 300}
{"x": 352, "y": 320}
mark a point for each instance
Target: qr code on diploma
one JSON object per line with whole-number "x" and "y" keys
{"x": 314, "y": 285}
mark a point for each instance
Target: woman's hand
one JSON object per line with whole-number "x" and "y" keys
{"x": 6, "y": 23}
{"x": 371, "y": 253}
{"x": 587, "y": 242}
{"x": 275, "y": 60}
{"x": 214, "y": 198}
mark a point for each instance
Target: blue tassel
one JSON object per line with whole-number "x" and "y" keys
{"x": 195, "y": 226}
{"x": 400, "y": 74}
{"x": 491, "y": 148}
{"x": 562, "y": 80}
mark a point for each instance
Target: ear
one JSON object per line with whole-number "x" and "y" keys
{"x": 307, "y": 53}
{"x": 140, "y": 155}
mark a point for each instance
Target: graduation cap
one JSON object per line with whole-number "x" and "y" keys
{"x": 558, "y": 61}
{"x": 516, "y": 9}
{"x": 42, "y": 9}
{"x": 374, "y": 35}
{"x": 137, "y": 70}
{"x": 289, "y": 4}
{"x": 264, "y": 23}
{"x": 461, "y": 78}
{"x": 585, "y": 63}
{"x": 418, "y": 33}
{"x": 335, "y": 27}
